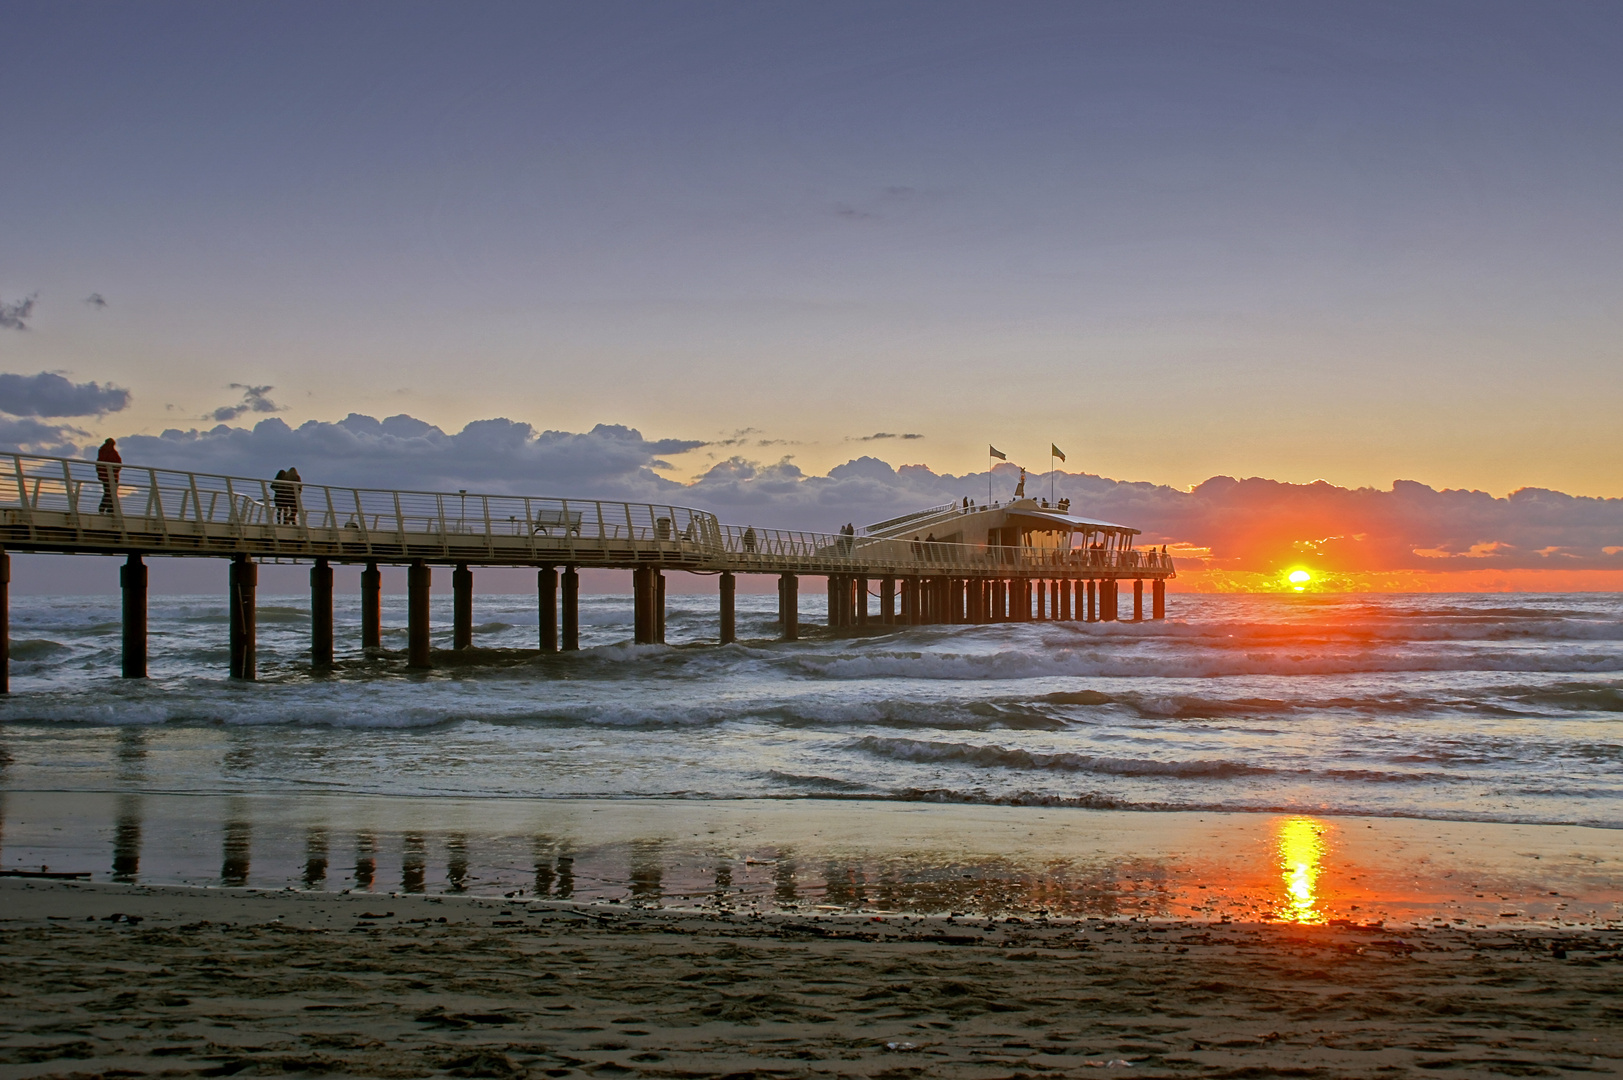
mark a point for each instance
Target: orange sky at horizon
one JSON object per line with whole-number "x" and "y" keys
{"x": 1199, "y": 580}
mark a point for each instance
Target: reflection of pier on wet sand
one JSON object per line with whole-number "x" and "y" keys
{"x": 871, "y": 856}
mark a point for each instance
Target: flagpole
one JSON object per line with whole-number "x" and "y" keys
{"x": 1051, "y": 473}
{"x": 989, "y": 475}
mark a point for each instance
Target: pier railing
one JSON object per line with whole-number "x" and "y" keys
{"x": 66, "y": 504}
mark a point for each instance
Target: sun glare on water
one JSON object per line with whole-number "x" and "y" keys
{"x": 1301, "y": 849}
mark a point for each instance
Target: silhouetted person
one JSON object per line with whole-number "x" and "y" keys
{"x": 107, "y": 463}
{"x": 285, "y": 495}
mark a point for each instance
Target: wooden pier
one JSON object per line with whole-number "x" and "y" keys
{"x": 68, "y": 506}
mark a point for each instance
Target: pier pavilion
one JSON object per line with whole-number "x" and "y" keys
{"x": 957, "y": 563}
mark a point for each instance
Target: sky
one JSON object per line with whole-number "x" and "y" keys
{"x": 730, "y": 250}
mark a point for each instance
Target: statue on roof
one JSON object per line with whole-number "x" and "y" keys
{"x": 1020, "y": 488}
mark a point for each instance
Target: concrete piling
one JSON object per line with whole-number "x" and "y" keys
{"x": 861, "y": 595}
{"x": 1138, "y": 599}
{"x": 419, "y": 577}
{"x": 729, "y": 594}
{"x": 462, "y": 607}
{"x": 321, "y": 643}
{"x": 242, "y": 588}
{"x": 887, "y": 601}
{"x": 659, "y": 607}
{"x": 571, "y": 609}
{"x": 371, "y": 607}
{"x": 789, "y": 606}
{"x": 1158, "y": 599}
{"x": 132, "y": 579}
{"x": 5, "y": 623}
{"x": 546, "y": 590}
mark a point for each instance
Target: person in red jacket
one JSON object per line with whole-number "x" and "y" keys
{"x": 107, "y": 463}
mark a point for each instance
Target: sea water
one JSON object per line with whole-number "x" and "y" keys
{"x": 1413, "y": 757}
{"x": 1505, "y": 708}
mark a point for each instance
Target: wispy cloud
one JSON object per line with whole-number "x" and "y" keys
{"x": 880, "y": 435}
{"x": 96, "y": 300}
{"x": 255, "y": 399}
{"x": 49, "y": 394}
{"x": 15, "y": 315}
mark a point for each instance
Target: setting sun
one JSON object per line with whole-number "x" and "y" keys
{"x": 1299, "y": 579}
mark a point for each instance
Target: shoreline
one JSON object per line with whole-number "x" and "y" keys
{"x": 242, "y": 981}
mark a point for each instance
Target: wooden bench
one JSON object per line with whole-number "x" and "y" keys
{"x": 547, "y": 520}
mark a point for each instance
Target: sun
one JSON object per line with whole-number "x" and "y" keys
{"x": 1299, "y": 579}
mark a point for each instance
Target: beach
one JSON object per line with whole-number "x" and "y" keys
{"x": 1269, "y": 837}
{"x": 120, "y": 980}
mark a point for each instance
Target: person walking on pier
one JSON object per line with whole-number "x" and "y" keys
{"x": 285, "y": 495}
{"x": 107, "y": 463}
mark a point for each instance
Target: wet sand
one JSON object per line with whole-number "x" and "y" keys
{"x": 127, "y": 980}
{"x": 848, "y": 855}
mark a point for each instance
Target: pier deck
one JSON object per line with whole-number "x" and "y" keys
{"x": 70, "y": 506}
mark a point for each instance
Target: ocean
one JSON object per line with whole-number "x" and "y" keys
{"x": 1489, "y": 709}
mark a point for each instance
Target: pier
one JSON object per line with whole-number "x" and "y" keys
{"x": 1019, "y": 572}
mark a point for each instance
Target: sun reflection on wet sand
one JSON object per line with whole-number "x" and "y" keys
{"x": 1301, "y": 851}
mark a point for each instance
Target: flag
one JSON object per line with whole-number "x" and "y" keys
{"x": 1056, "y": 451}
{"x": 995, "y": 452}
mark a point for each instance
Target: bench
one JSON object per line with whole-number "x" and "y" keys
{"x": 547, "y": 520}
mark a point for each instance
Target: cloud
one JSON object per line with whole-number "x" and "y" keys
{"x": 15, "y": 315}
{"x": 1224, "y": 524}
{"x": 497, "y": 456}
{"x": 886, "y": 435}
{"x": 49, "y": 394}
{"x": 29, "y": 436}
{"x": 96, "y": 300}
{"x": 254, "y": 399}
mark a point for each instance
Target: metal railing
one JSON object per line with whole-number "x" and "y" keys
{"x": 66, "y": 504}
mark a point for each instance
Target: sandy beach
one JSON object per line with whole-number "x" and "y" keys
{"x": 128, "y": 980}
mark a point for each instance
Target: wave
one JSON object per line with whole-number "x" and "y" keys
{"x": 1012, "y": 758}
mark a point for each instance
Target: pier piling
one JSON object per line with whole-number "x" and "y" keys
{"x": 1110, "y": 599}
{"x": 659, "y": 606}
{"x": 418, "y": 579}
{"x": 371, "y": 607}
{"x": 132, "y": 578}
{"x": 462, "y": 607}
{"x": 546, "y": 587}
{"x": 1158, "y": 599}
{"x": 887, "y": 601}
{"x": 1138, "y": 599}
{"x": 1093, "y": 601}
{"x": 861, "y": 593}
{"x": 789, "y": 606}
{"x": 571, "y": 609}
{"x": 242, "y": 587}
{"x": 321, "y": 645}
{"x": 729, "y": 594}
{"x": 5, "y": 623}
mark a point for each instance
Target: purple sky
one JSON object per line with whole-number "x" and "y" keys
{"x": 1360, "y": 242}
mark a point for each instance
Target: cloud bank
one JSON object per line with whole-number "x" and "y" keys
{"x": 1224, "y": 523}
{"x": 49, "y": 394}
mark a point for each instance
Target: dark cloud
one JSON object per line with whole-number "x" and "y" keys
{"x": 30, "y": 436}
{"x": 878, "y": 435}
{"x": 49, "y": 394}
{"x": 15, "y": 315}
{"x": 255, "y": 399}
{"x": 96, "y": 300}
